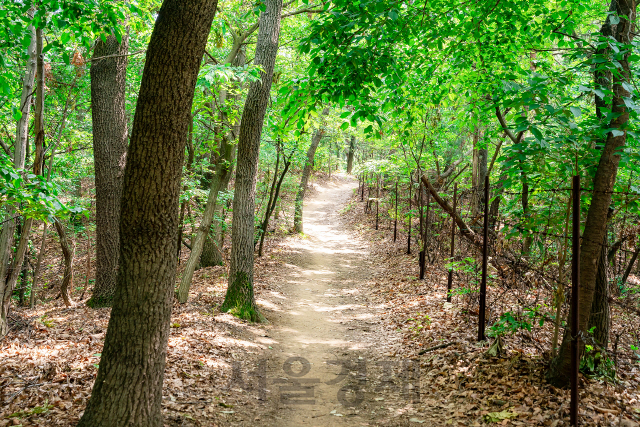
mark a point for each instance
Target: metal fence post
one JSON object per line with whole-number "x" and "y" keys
{"x": 395, "y": 223}
{"x": 485, "y": 256}
{"x": 453, "y": 241}
{"x": 409, "y": 231}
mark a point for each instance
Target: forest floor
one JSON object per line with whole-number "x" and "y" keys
{"x": 351, "y": 340}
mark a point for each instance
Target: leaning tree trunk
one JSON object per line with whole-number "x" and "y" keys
{"x": 600, "y": 319}
{"x": 304, "y": 180}
{"x": 351, "y": 153}
{"x": 272, "y": 205}
{"x": 220, "y": 177}
{"x": 20, "y": 149}
{"x": 128, "y": 388}
{"x": 108, "y": 90}
{"x": 603, "y": 183}
{"x": 239, "y": 299}
{"x": 211, "y": 251}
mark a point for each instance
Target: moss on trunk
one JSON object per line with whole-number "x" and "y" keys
{"x": 239, "y": 300}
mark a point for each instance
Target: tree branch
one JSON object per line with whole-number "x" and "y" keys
{"x": 464, "y": 228}
{"x": 503, "y": 123}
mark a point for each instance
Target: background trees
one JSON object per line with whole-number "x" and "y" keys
{"x": 425, "y": 95}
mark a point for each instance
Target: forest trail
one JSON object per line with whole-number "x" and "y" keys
{"x": 321, "y": 325}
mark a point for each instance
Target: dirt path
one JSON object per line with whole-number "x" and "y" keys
{"x": 322, "y": 334}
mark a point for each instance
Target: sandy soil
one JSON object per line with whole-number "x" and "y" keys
{"x": 323, "y": 367}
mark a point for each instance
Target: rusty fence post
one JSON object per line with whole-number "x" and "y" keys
{"x": 409, "y": 228}
{"x": 485, "y": 256}
{"x": 453, "y": 241}
{"x": 377, "y": 198}
{"x": 395, "y": 222}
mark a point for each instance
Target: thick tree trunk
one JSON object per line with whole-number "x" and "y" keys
{"x": 67, "y": 253}
{"x": 128, "y": 388}
{"x": 600, "y": 319}
{"x": 108, "y": 91}
{"x": 20, "y": 149}
{"x": 304, "y": 180}
{"x": 351, "y": 153}
{"x": 239, "y": 299}
{"x": 211, "y": 253}
{"x": 605, "y": 177}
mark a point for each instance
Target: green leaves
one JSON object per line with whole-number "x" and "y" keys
{"x": 577, "y": 112}
{"x": 16, "y": 113}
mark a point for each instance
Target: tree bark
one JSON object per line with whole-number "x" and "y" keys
{"x": 480, "y": 162}
{"x": 211, "y": 251}
{"x": 239, "y": 299}
{"x": 604, "y": 180}
{"x": 221, "y": 176}
{"x": 108, "y": 92}
{"x": 627, "y": 272}
{"x": 67, "y": 252}
{"x": 128, "y": 388}
{"x": 20, "y": 149}
{"x": 351, "y": 153}
{"x": 600, "y": 319}
{"x": 36, "y": 272}
{"x": 304, "y": 180}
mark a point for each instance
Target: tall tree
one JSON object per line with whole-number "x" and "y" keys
{"x": 211, "y": 251}
{"x": 128, "y": 388}
{"x": 351, "y": 153}
{"x": 239, "y": 299}
{"x": 603, "y": 182}
{"x": 9, "y": 269}
{"x": 19, "y": 153}
{"x": 304, "y": 179}
{"x": 108, "y": 90}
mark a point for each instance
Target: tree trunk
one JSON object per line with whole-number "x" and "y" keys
{"x": 36, "y": 273}
{"x": 351, "y": 153}
{"x": 304, "y": 180}
{"x": 480, "y": 166}
{"x": 20, "y": 149}
{"x": 108, "y": 92}
{"x": 128, "y": 388}
{"x": 223, "y": 170}
{"x": 627, "y": 272}
{"x": 600, "y": 319}
{"x": 271, "y": 207}
{"x": 239, "y": 299}
{"x": 183, "y": 205}
{"x": 67, "y": 252}
{"x": 211, "y": 251}
{"x": 604, "y": 180}
{"x": 261, "y": 227}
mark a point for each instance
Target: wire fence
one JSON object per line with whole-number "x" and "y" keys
{"x": 529, "y": 260}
